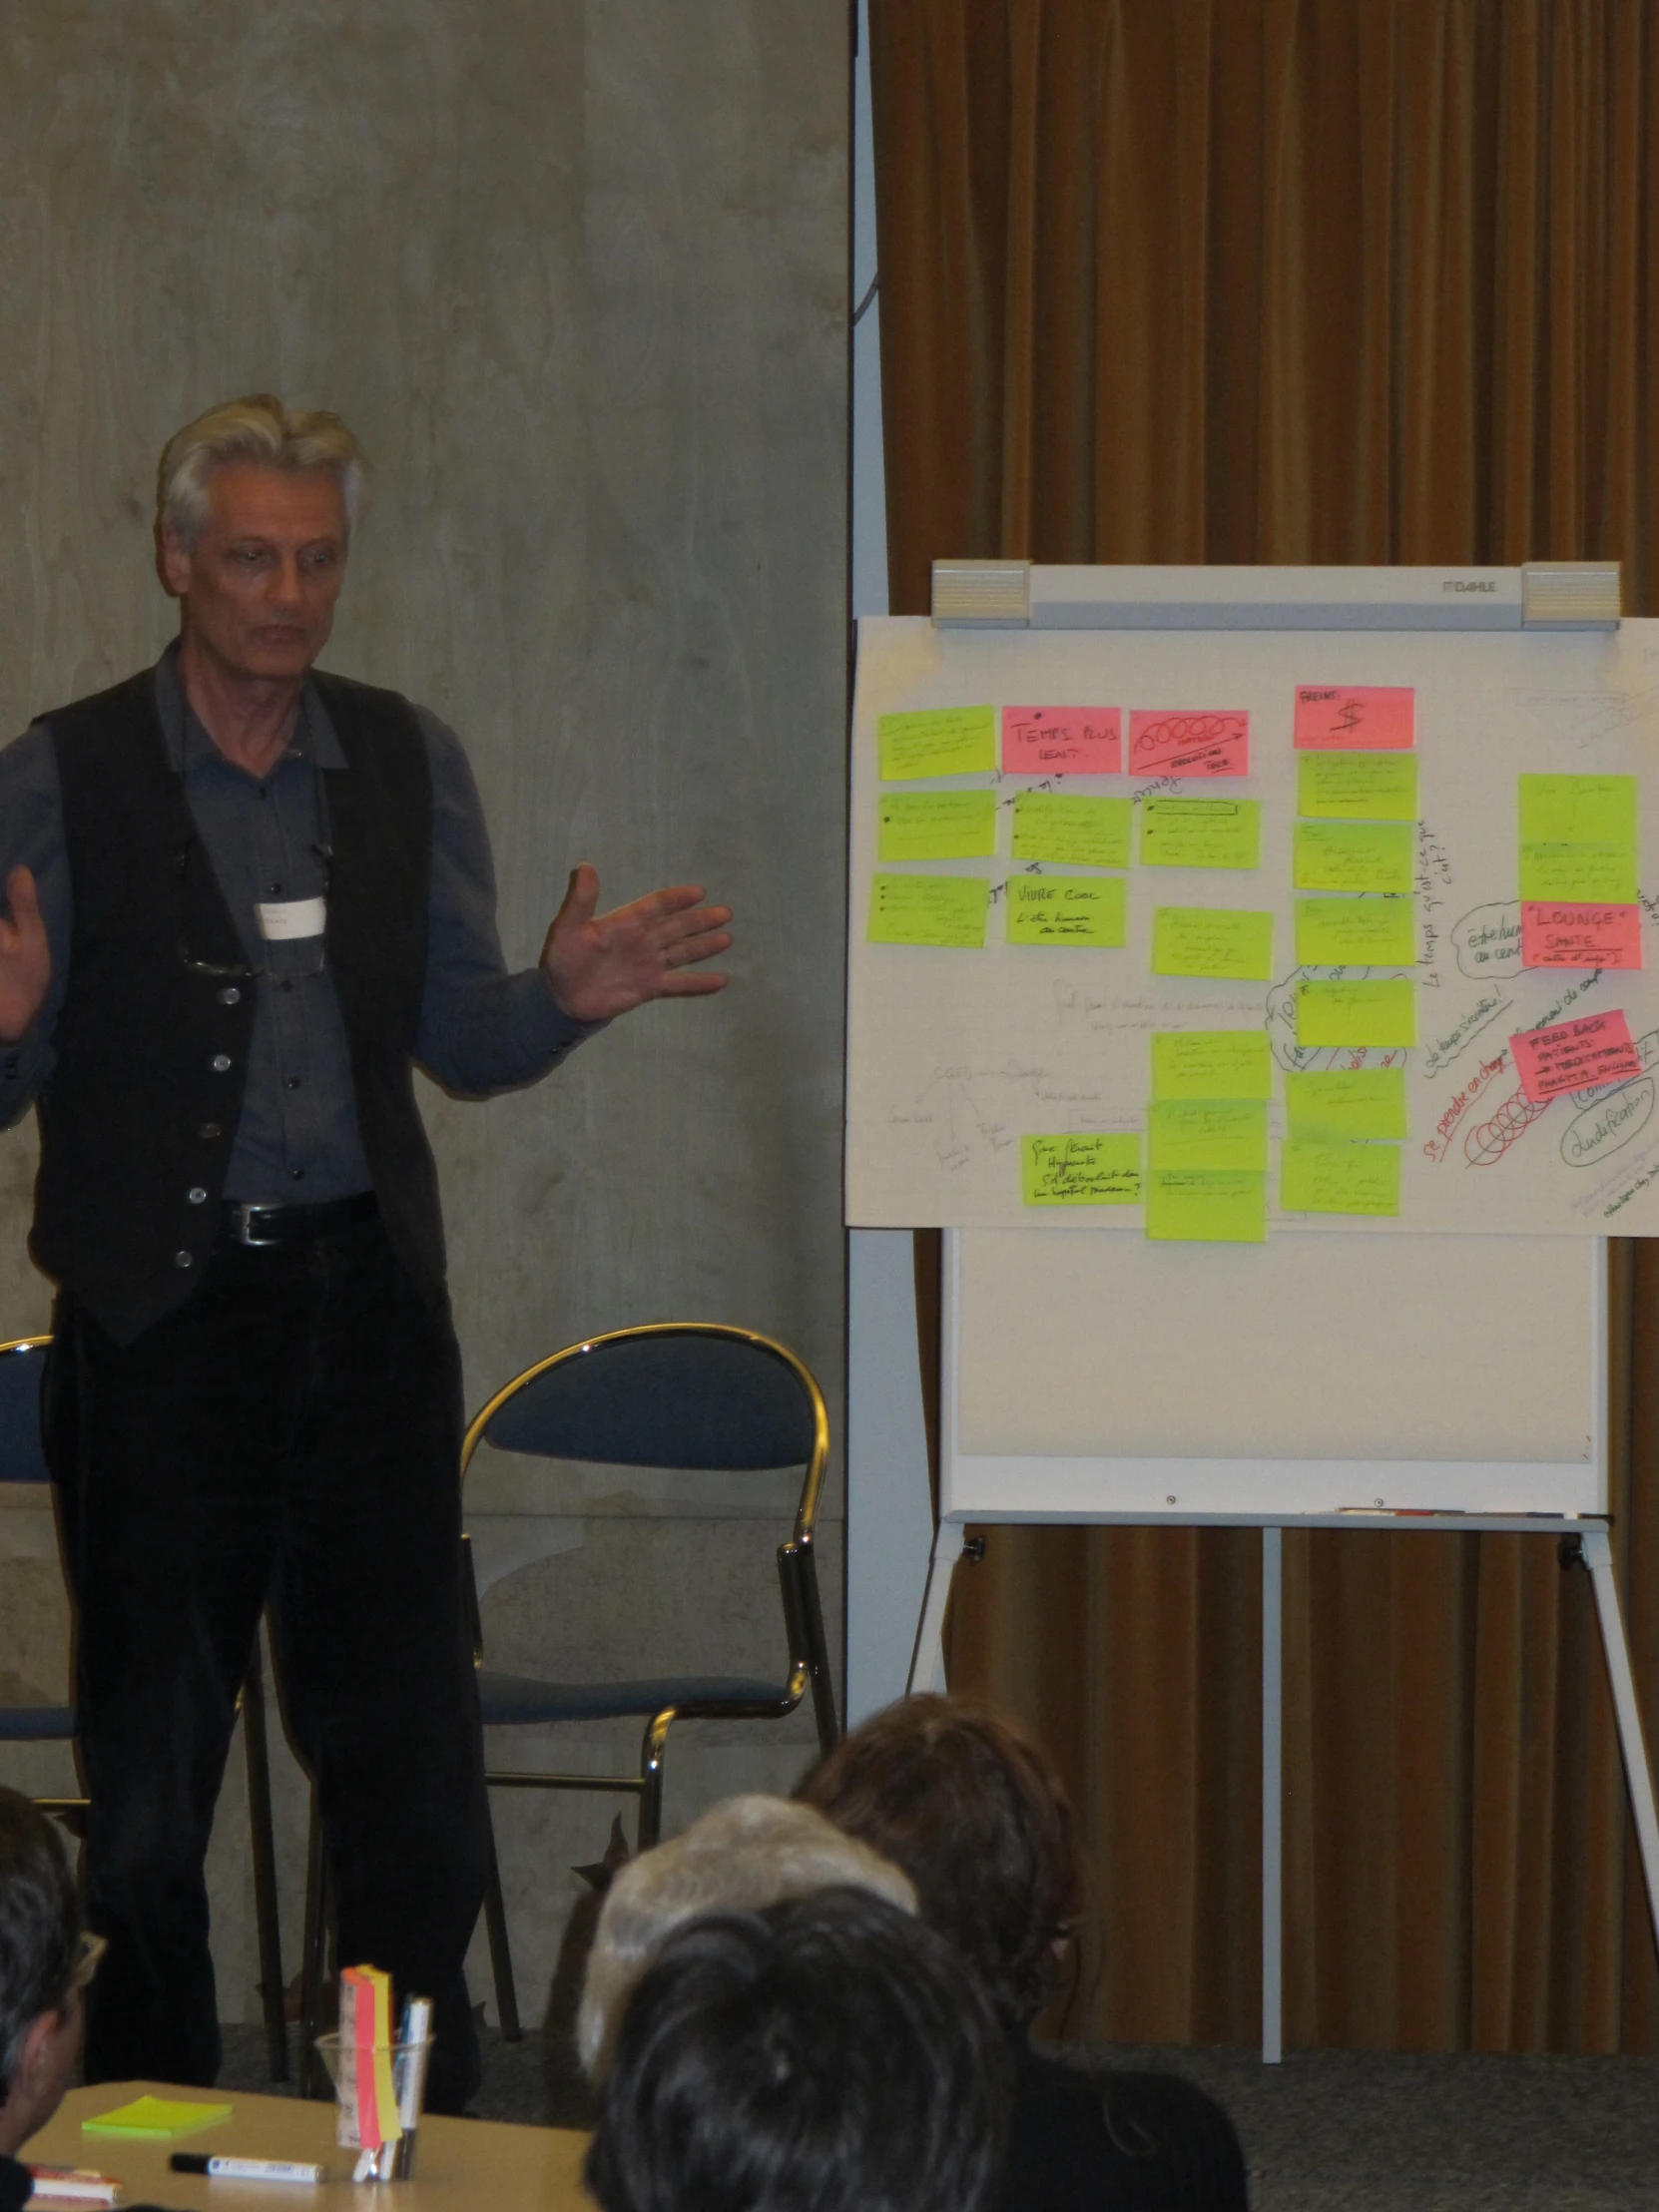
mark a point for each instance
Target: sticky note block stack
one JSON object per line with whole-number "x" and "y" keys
{"x": 365, "y": 2056}
{"x": 1580, "y": 869}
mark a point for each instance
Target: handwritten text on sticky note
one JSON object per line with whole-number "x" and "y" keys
{"x": 1072, "y": 833}
{"x": 1068, "y": 910}
{"x": 1201, "y": 833}
{"x": 1381, "y": 1016}
{"x": 1356, "y": 933}
{"x": 1197, "y": 1205}
{"x": 1062, "y": 741}
{"x": 1578, "y": 875}
{"x": 1211, "y": 1063}
{"x": 1345, "y": 1102}
{"x": 928, "y": 909}
{"x": 1357, "y": 786}
{"x": 1080, "y": 1171}
{"x": 936, "y": 826}
{"x": 1209, "y": 743}
{"x": 1353, "y": 855}
{"x": 938, "y": 741}
{"x": 1580, "y": 936}
{"x": 1575, "y": 1056}
{"x": 1221, "y": 1133}
{"x": 1577, "y": 809}
{"x": 1221, "y": 941}
{"x": 1374, "y": 717}
{"x": 1320, "y": 1176}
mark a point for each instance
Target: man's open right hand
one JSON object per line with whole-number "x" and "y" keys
{"x": 25, "y": 957}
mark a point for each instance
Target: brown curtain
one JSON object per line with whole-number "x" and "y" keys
{"x": 1300, "y": 281}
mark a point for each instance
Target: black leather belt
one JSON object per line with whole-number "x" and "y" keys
{"x": 286, "y": 1225}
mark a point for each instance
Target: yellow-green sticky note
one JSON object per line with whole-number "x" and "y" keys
{"x": 938, "y": 741}
{"x": 928, "y": 909}
{"x": 1319, "y": 1175}
{"x": 1072, "y": 833}
{"x": 1200, "y": 1205}
{"x": 936, "y": 826}
{"x": 1383, "y": 1016}
{"x": 1068, "y": 910}
{"x": 1080, "y": 1171}
{"x": 1578, "y": 810}
{"x": 1593, "y": 874}
{"x": 1345, "y": 1102}
{"x": 1211, "y": 1063}
{"x": 1356, "y": 933}
{"x": 1353, "y": 856}
{"x": 1201, "y": 833}
{"x": 1223, "y": 941}
{"x": 1357, "y": 786}
{"x": 156, "y": 2118}
{"x": 1230, "y": 1134}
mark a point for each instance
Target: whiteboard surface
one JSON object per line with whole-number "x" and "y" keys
{"x": 954, "y": 1055}
{"x": 1104, "y": 1374}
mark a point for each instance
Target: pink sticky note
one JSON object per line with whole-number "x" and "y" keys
{"x": 1580, "y": 936}
{"x": 1211, "y": 743}
{"x": 1062, "y": 741}
{"x": 1575, "y": 1056}
{"x": 1359, "y": 718}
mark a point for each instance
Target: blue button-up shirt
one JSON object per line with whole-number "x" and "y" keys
{"x": 481, "y": 1028}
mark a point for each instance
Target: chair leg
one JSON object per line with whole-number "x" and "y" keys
{"x": 652, "y": 1754}
{"x": 255, "y": 1747}
{"x": 818, "y": 1653}
{"x": 314, "y": 1963}
{"x": 496, "y": 1923}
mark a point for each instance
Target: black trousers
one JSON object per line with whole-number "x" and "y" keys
{"x": 290, "y": 1434}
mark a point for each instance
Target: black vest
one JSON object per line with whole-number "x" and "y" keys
{"x": 136, "y": 1114}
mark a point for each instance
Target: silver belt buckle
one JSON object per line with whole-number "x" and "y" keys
{"x": 243, "y": 1215}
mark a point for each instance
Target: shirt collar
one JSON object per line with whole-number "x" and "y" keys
{"x": 187, "y": 745}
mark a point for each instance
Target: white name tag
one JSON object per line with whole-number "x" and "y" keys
{"x": 292, "y": 918}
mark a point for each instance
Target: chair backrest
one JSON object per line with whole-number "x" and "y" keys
{"x": 673, "y": 1394}
{"x": 21, "y": 1456}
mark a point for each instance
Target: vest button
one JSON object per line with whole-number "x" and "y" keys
{"x": 198, "y": 1196}
{"x": 210, "y": 1130}
{"x": 221, "y": 1062}
{"x": 182, "y": 1260}
{"x": 229, "y": 995}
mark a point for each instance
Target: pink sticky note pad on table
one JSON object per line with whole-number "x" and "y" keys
{"x": 1575, "y": 1056}
{"x": 1211, "y": 742}
{"x": 1354, "y": 718}
{"x": 1580, "y": 936}
{"x": 1062, "y": 741}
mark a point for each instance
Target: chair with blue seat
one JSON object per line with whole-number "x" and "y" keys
{"x": 685, "y": 1397}
{"x": 22, "y": 1459}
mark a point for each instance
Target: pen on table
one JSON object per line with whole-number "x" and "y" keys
{"x": 246, "y": 2169}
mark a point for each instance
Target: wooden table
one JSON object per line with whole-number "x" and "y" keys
{"x": 458, "y": 2163}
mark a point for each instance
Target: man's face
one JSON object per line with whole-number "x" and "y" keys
{"x": 258, "y": 585}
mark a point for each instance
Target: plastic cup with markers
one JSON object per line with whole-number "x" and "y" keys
{"x": 380, "y": 2090}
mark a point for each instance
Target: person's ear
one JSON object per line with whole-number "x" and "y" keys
{"x": 172, "y": 561}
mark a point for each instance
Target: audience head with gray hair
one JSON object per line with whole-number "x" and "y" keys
{"x": 743, "y": 1855}
{"x": 44, "y": 1962}
{"x": 261, "y": 430}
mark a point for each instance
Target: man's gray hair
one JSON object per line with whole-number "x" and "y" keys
{"x": 40, "y": 1926}
{"x": 254, "y": 428}
{"x": 741, "y": 1857}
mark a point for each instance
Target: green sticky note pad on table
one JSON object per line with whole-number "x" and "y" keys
{"x": 1197, "y": 1205}
{"x": 1226, "y": 1134}
{"x": 1072, "y": 833}
{"x": 1353, "y": 856}
{"x": 1080, "y": 1171}
{"x": 936, "y": 826}
{"x": 1322, "y": 1175}
{"x": 940, "y": 740}
{"x": 154, "y": 2119}
{"x": 1068, "y": 910}
{"x": 1380, "y": 1016}
{"x": 1221, "y": 941}
{"x": 1357, "y": 786}
{"x": 1578, "y": 810}
{"x": 1591, "y": 875}
{"x": 1211, "y": 1063}
{"x": 928, "y": 909}
{"x": 1201, "y": 833}
{"x": 1355, "y": 933}
{"x": 1345, "y": 1102}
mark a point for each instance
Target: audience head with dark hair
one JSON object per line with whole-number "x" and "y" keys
{"x": 976, "y": 1816}
{"x": 828, "y": 2054}
{"x": 41, "y": 1965}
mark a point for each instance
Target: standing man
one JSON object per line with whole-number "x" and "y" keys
{"x": 246, "y": 899}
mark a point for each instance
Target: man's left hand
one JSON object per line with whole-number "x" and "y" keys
{"x": 600, "y": 965}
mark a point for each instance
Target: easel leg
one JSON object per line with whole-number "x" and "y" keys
{"x": 928, "y": 1660}
{"x": 1273, "y": 1801}
{"x": 1638, "y": 1769}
